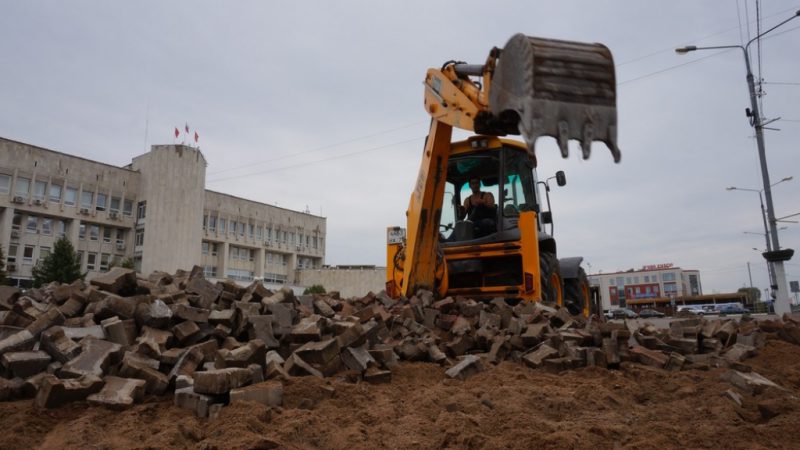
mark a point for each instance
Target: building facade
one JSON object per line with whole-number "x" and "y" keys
{"x": 649, "y": 282}
{"x": 155, "y": 211}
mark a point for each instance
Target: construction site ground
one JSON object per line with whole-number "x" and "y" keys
{"x": 507, "y": 406}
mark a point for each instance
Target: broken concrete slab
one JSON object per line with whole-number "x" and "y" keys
{"x": 25, "y": 364}
{"x": 467, "y": 367}
{"x": 751, "y": 383}
{"x": 95, "y": 358}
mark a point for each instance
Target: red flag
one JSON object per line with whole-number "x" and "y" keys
{"x": 177, "y": 133}
{"x": 196, "y": 137}
{"x": 187, "y": 128}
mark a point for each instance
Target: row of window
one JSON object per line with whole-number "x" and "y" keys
{"x": 223, "y": 226}
{"x": 68, "y": 194}
{"x": 249, "y": 254}
{"x": 28, "y": 252}
{"x": 97, "y": 261}
{"x": 240, "y": 275}
{"x": 622, "y": 281}
{"x": 109, "y": 234}
{"x": 39, "y": 224}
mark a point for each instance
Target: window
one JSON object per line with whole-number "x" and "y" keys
{"x": 60, "y": 227}
{"x": 205, "y": 222}
{"x": 87, "y": 199}
{"x": 82, "y": 232}
{"x": 127, "y": 208}
{"x": 232, "y": 228}
{"x": 16, "y": 222}
{"x": 212, "y": 223}
{"x": 101, "y": 202}
{"x": 120, "y": 236}
{"x": 91, "y": 261}
{"x": 47, "y": 226}
{"x": 213, "y": 249}
{"x": 241, "y": 229}
{"x": 204, "y": 248}
{"x": 139, "y": 239}
{"x": 668, "y": 276}
{"x": 259, "y": 232}
{"x": 33, "y": 224}
{"x": 39, "y": 188}
{"x": 647, "y": 278}
{"x": 620, "y": 282}
{"x": 27, "y": 255}
{"x": 234, "y": 253}
{"x": 269, "y": 234}
{"x": 79, "y": 258}
{"x": 70, "y": 196}
{"x": 252, "y": 255}
{"x": 5, "y": 183}
{"x": 94, "y": 232}
{"x": 141, "y": 211}
{"x": 23, "y": 186}
{"x": 210, "y": 271}
{"x": 222, "y": 223}
{"x": 44, "y": 252}
{"x": 105, "y": 258}
{"x": 12, "y": 253}
{"x": 107, "y": 234}
{"x": 250, "y": 230}
{"x": 115, "y": 201}
{"x": 55, "y": 193}
{"x": 314, "y": 242}
{"x": 291, "y": 238}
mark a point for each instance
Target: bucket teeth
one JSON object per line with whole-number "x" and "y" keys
{"x": 586, "y": 142}
{"x": 563, "y": 138}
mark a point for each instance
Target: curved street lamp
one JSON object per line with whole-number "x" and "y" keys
{"x": 777, "y": 256}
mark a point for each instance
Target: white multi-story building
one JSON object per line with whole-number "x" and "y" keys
{"x": 649, "y": 282}
{"x": 155, "y": 210}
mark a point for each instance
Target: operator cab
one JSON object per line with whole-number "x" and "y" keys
{"x": 502, "y": 175}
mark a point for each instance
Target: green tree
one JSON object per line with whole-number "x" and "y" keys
{"x": 61, "y": 265}
{"x": 314, "y": 289}
{"x": 128, "y": 263}
{"x": 753, "y": 294}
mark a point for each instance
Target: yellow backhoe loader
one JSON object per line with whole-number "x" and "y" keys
{"x": 475, "y": 223}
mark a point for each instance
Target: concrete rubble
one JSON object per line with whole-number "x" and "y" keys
{"x": 123, "y": 336}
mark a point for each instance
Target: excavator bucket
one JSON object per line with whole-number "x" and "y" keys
{"x": 562, "y": 89}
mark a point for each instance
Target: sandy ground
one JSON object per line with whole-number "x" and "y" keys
{"x": 508, "y": 406}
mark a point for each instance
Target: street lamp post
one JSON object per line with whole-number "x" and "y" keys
{"x": 776, "y": 256}
{"x": 770, "y": 270}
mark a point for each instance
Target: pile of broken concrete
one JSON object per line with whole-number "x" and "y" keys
{"x": 121, "y": 337}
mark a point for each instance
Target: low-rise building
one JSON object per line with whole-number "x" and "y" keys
{"x": 651, "y": 281}
{"x": 155, "y": 211}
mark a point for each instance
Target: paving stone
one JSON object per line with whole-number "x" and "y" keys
{"x": 536, "y": 358}
{"x": 649, "y": 357}
{"x": 19, "y": 341}
{"x": 467, "y": 367}
{"x": 751, "y": 383}
{"x": 25, "y": 364}
{"x": 122, "y": 332}
{"x": 190, "y": 313}
{"x": 186, "y": 331}
{"x": 187, "y": 363}
{"x": 118, "y": 280}
{"x": 51, "y": 317}
{"x": 357, "y": 358}
{"x": 154, "y": 314}
{"x": 54, "y": 392}
{"x": 118, "y": 393}
{"x": 220, "y": 381}
{"x": 253, "y": 352}
{"x": 136, "y": 366}
{"x": 319, "y": 353}
{"x": 96, "y": 357}
{"x": 738, "y": 352}
{"x": 56, "y": 343}
{"x": 269, "y": 393}
{"x": 79, "y": 333}
{"x": 295, "y": 366}
{"x": 199, "y": 404}
{"x": 261, "y": 328}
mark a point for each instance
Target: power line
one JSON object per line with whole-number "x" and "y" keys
{"x": 345, "y": 155}
{"x": 314, "y": 150}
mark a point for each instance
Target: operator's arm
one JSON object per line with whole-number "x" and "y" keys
{"x": 488, "y": 200}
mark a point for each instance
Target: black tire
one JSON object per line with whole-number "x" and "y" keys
{"x": 577, "y": 294}
{"x": 548, "y": 266}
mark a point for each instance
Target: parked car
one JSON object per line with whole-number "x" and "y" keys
{"x": 733, "y": 309}
{"x": 650, "y": 313}
{"x": 691, "y": 310}
{"x": 623, "y": 313}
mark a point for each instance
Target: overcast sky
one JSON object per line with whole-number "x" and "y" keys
{"x": 319, "y": 105}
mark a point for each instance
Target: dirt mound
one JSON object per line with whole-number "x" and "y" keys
{"x": 508, "y": 406}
